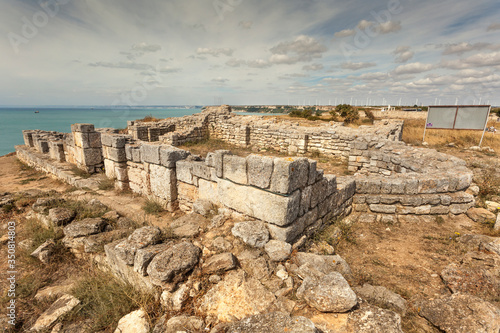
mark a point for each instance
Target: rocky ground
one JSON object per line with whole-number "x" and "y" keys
{"x": 217, "y": 272}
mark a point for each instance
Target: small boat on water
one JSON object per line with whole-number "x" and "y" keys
{"x": 37, "y": 111}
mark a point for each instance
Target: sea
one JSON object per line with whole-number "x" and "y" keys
{"x": 15, "y": 119}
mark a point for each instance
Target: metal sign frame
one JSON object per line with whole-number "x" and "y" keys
{"x": 458, "y": 107}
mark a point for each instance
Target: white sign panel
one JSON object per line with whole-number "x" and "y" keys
{"x": 470, "y": 117}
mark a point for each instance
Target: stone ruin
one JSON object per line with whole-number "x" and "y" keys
{"x": 285, "y": 199}
{"x": 291, "y": 195}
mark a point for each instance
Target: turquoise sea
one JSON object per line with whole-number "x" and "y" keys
{"x": 14, "y": 120}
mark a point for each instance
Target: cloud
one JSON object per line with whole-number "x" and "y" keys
{"x": 494, "y": 26}
{"x": 303, "y": 48}
{"x": 220, "y": 80}
{"x": 461, "y": 48}
{"x": 380, "y": 28}
{"x": 121, "y": 64}
{"x": 215, "y": 52}
{"x": 313, "y": 67}
{"x": 412, "y": 68}
{"x": 235, "y": 62}
{"x": 245, "y": 25}
{"x": 477, "y": 60}
{"x": 357, "y": 65}
{"x": 145, "y": 47}
{"x": 403, "y": 54}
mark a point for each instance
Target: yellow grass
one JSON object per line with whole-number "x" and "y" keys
{"x": 414, "y": 130}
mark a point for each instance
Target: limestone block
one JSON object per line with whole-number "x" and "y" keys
{"x": 144, "y": 256}
{"x": 170, "y": 155}
{"x": 56, "y": 150}
{"x": 106, "y": 139}
{"x": 184, "y": 171}
{"x": 427, "y": 185}
{"x": 201, "y": 170}
{"x": 163, "y": 182}
{"x": 28, "y": 138}
{"x": 411, "y": 186}
{"x": 150, "y": 153}
{"x": 218, "y": 160}
{"x": 260, "y": 169}
{"x": 312, "y": 172}
{"x": 319, "y": 192}
{"x": 59, "y": 308}
{"x": 187, "y": 192}
{"x": 121, "y": 172}
{"x": 289, "y": 174}
{"x": 263, "y": 205}
{"x": 235, "y": 169}
{"x": 84, "y": 128}
{"x": 294, "y": 230}
{"x": 442, "y": 185}
{"x": 386, "y": 209}
{"x": 440, "y": 210}
{"x": 208, "y": 191}
{"x": 397, "y": 186}
{"x": 91, "y": 156}
{"x": 423, "y": 210}
{"x": 464, "y": 181}
{"x": 133, "y": 153}
{"x": 109, "y": 168}
{"x": 459, "y": 208}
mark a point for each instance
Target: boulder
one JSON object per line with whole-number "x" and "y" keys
{"x": 203, "y": 207}
{"x": 61, "y": 216}
{"x": 492, "y": 206}
{"x": 278, "y": 250}
{"x": 382, "y": 296}
{"x": 179, "y": 324}
{"x": 59, "y": 308}
{"x": 44, "y": 251}
{"x": 111, "y": 216}
{"x": 95, "y": 243}
{"x": 144, "y": 256}
{"x": 252, "y": 233}
{"x": 174, "y": 301}
{"x": 219, "y": 263}
{"x": 461, "y": 313}
{"x": 314, "y": 265}
{"x": 274, "y": 322}
{"x": 173, "y": 264}
{"x": 134, "y": 322}
{"x": 188, "y": 225}
{"x": 236, "y": 297}
{"x": 84, "y": 227}
{"x": 139, "y": 239}
{"x": 480, "y": 215}
{"x": 330, "y": 293}
{"x": 370, "y": 319}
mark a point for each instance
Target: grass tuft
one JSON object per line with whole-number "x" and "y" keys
{"x": 152, "y": 206}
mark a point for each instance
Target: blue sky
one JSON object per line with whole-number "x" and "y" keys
{"x": 123, "y": 52}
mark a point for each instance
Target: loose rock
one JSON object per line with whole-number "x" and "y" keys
{"x": 134, "y": 322}
{"x": 252, "y": 233}
{"x": 278, "y": 250}
{"x": 274, "y": 322}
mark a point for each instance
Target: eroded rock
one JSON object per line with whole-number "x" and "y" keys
{"x": 134, "y": 322}
{"x": 253, "y": 233}
{"x": 274, "y": 322}
{"x": 84, "y": 227}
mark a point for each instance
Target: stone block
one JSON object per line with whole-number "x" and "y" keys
{"x": 305, "y": 200}
{"x": 187, "y": 192}
{"x": 260, "y": 169}
{"x": 312, "y": 171}
{"x": 440, "y": 210}
{"x": 293, "y": 231}
{"x": 115, "y": 154}
{"x": 397, "y": 186}
{"x": 263, "y": 205}
{"x": 427, "y": 185}
{"x": 163, "y": 182}
{"x": 170, "y": 155}
{"x": 319, "y": 192}
{"x": 464, "y": 181}
{"x": 83, "y": 128}
{"x": 411, "y": 186}
{"x": 106, "y": 139}
{"x": 201, "y": 170}
{"x": 184, "y": 171}
{"x": 150, "y": 153}
{"x": 423, "y": 210}
{"x": 235, "y": 169}
{"x": 28, "y": 138}
{"x": 411, "y": 200}
{"x": 218, "y": 160}
{"x": 459, "y": 208}
{"x": 442, "y": 185}
{"x": 109, "y": 168}
{"x": 209, "y": 191}
{"x": 289, "y": 174}
{"x": 385, "y": 209}
{"x": 91, "y": 156}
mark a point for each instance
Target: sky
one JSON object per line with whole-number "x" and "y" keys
{"x": 247, "y": 52}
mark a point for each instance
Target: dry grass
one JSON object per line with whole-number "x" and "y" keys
{"x": 414, "y": 130}
{"x": 148, "y": 119}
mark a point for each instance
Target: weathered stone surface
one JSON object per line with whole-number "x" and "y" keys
{"x": 202, "y": 207}
{"x": 235, "y": 169}
{"x": 330, "y": 293}
{"x": 253, "y": 233}
{"x": 260, "y": 169}
{"x": 219, "y": 263}
{"x": 144, "y": 256}
{"x": 382, "y": 296}
{"x": 85, "y": 227}
{"x": 237, "y": 296}
{"x": 278, "y": 250}
{"x": 139, "y": 239}
{"x": 150, "y": 153}
{"x": 370, "y": 319}
{"x": 53, "y": 291}
{"x": 496, "y": 227}
{"x": 179, "y": 324}
{"x": 274, "y": 322}
{"x": 188, "y": 225}
{"x": 95, "y": 243}
{"x": 60, "y": 307}
{"x": 174, "y": 301}
{"x": 289, "y": 174}
{"x": 44, "y": 251}
{"x": 173, "y": 264}
{"x": 134, "y": 322}
{"x": 170, "y": 155}
{"x": 263, "y": 205}
{"x": 314, "y": 265}
{"x": 480, "y": 215}
{"x": 163, "y": 182}
{"x": 493, "y": 246}
{"x": 460, "y": 313}
{"x": 61, "y": 216}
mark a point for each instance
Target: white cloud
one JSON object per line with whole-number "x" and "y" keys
{"x": 412, "y": 68}
{"x": 215, "y": 52}
{"x": 403, "y": 54}
{"x": 220, "y": 80}
{"x": 302, "y": 48}
{"x": 313, "y": 67}
{"x": 463, "y": 47}
{"x": 357, "y": 65}
{"x": 494, "y": 27}
{"x": 477, "y": 60}
{"x": 145, "y": 47}
{"x": 245, "y": 25}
